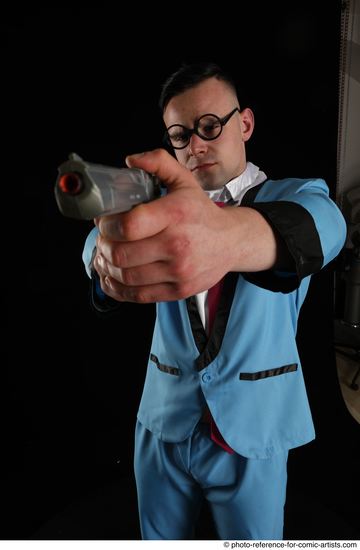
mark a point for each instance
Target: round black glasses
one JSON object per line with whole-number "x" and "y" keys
{"x": 207, "y": 127}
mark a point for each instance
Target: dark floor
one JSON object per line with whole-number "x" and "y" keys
{"x": 57, "y": 492}
{"x": 68, "y": 432}
{"x": 68, "y": 466}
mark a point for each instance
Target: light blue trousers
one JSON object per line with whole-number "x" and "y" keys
{"x": 246, "y": 496}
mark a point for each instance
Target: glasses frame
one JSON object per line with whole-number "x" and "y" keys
{"x": 190, "y": 131}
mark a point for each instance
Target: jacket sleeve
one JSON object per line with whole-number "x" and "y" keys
{"x": 89, "y": 247}
{"x": 99, "y": 300}
{"x": 307, "y": 221}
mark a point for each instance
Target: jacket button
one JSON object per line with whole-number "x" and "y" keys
{"x": 206, "y": 377}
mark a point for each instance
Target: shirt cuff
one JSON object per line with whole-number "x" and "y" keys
{"x": 101, "y": 302}
{"x": 297, "y": 229}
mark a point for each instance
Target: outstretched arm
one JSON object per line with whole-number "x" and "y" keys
{"x": 180, "y": 244}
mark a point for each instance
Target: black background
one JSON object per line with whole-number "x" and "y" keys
{"x": 87, "y": 80}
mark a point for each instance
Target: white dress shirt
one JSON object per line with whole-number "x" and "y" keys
{"x": 232, "y": 193}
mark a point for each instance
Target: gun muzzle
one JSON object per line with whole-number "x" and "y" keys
{"x": 71, "y": 183}
{"x": 84, "y": 190}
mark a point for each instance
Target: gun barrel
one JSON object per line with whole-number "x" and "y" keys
{"x": 71, "y": 183}
{"x": 84, "y": 190}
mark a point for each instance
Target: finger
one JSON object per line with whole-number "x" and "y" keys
{"x": 145, "y": 220}
{"x": 140, "y": 285}
{"x": 151, "y": 274}
{"x": 160, "y": 163}
{"x": 132, "y": 254}
{"x": 148, "y": 294}
{"x": 104, "y": 269}
{"x": 144, "y": 273}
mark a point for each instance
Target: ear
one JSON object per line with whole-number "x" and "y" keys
{"x": 247, "y": 123}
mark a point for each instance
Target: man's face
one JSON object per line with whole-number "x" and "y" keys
{"x": 215, "y": 162}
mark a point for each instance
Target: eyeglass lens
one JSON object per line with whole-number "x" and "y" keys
{"x": 208, "y": 127}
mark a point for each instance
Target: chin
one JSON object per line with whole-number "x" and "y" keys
{"x": 207, "y": 182}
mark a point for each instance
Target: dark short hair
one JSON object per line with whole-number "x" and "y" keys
{"x": 188, "y": 76}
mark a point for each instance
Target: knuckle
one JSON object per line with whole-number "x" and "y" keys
{"x": 119, "y": 256}
{"x": 179, "y": 211}
{"x": 141, "y": 297}
{"x": 127, "y": 276}
{"x": 179, "y": 271}
{"x": 182, "y": 290}
{"x": 131, "y": 223}
{"x": 159, "y": 154}
{"x": 179, "y": 245}
{"x": 183, "y": 276}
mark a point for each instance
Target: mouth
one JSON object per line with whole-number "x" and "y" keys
{"x": 201, "y": 167}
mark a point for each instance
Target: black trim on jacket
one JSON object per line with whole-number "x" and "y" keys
{"x": 296, "y": 227}
{"x": 209, "y": 346}
{"x": 164, "y": 368}
{"x": 261, "y": 374}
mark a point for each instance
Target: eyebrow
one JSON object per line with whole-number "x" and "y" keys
{"x": 194, "y": 120}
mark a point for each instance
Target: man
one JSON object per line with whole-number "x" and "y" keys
{"x": 224, "y": 400}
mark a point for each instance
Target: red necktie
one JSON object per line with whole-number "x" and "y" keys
{"x": 214, "y": 294}
{"x": 213, "y": 300}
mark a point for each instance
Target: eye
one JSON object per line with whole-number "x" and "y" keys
{"x": 178, "y": 135}
{"x": 209, "y": 126}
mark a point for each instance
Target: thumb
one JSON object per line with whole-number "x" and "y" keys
{"x": 160, "y": 163}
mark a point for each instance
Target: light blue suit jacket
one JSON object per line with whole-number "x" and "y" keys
{"x": 248, "y": 372}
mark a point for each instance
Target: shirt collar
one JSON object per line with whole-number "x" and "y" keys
{"x": 235, "y": 189}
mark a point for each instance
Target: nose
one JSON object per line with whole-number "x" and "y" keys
{"x": 197, "y": 145}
